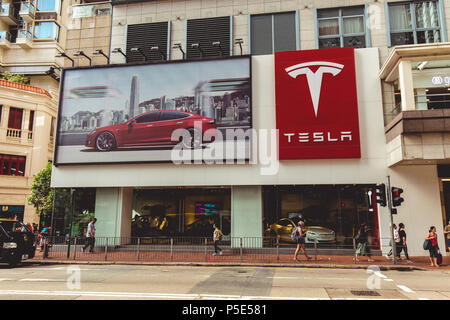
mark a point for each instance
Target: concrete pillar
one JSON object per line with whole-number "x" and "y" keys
{"x": 406, "y": 85}
{"x": 4, "y": 123}
{"x": 41, "y": 140}
{"x": 246, "y": 216}
{"x": 113, "y": 212}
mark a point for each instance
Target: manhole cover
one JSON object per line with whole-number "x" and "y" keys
{"x": 364, "y": 293}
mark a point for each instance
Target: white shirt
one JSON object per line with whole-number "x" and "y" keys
{"x": 90, "y": 230}
{"x": 396, "y": 236}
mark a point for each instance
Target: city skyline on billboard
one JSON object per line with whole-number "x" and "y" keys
{"x": 128, "y": 113}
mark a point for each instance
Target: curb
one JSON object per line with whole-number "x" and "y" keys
{"x": 205, "y": 264}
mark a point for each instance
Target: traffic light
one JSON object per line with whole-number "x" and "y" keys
{"x": 381, "y": 194}
{"x": 396, "y": 198}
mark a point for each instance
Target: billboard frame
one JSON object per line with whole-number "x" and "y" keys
{"x": 141, "y": 63}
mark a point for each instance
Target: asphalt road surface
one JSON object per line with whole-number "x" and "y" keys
{"x": 104, "y": 282}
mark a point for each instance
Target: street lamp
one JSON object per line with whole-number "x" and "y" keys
{"x": 100, "y": 51}
{"x": 239, "y": 42}
{"x": 119, "y": 50}
{"x": 156, "y": 48}
{"x": 139, "y": 50}
{"x": 178, "y": 46}
{"x": 217, "y": 44}
{"x": 63, "y": 55}
{"x": 81, "y": 53}
{"x": 198, "y": 47}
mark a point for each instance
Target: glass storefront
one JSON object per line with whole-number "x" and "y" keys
{"x": 334, "y": 211}
{"x": 83, "y": 211}
{"x": 188, "y": 212}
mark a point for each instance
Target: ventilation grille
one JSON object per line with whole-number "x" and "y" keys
{"x": 145, "y": 36}
{"x": 205, "y": 32}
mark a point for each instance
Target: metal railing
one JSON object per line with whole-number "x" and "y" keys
{"x": 13, "y": 133}
{"x": 201, "y": 249}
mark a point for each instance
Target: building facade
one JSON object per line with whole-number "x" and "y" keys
{"x": 28, "y": 118}
{"x": 401, "y": 114}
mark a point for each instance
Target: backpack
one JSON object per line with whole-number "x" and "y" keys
{"x": 295, "y": 234}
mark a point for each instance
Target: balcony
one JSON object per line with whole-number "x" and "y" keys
{"x": 9, "y": 14}
{"x": 5, "y": 39}
{"x": 24, "y": 39}
{"x": 418, "y": 117}
{"x": 27, "y": 11}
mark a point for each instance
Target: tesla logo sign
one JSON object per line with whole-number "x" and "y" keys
{"x": 316, "y": 103}
{"x": 314, "y": 78}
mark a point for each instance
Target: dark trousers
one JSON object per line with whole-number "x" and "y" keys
{"x": 401, "y": 247}
{"x": 90, "y": 241}
{"x": 216, "y": 246}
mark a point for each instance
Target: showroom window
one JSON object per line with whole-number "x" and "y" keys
{"x": 181, "y": 212}
{"x": 342, "y": 27}
{"x": 273, "y": 32}
{"x": 12, "y": 165}
{"x": 145, "y": 36}
{"x": 46, "y": 30}
{"x": 414, "y": 22}
{"x": 203, "y": 33}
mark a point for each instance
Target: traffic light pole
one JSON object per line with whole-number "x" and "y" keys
{"x": 394, "y": 249}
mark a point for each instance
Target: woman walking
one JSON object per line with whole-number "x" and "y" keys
{"x": 301, "y": 241}
{"x": 434, "y": 248}
{"x": 362, "y": 239}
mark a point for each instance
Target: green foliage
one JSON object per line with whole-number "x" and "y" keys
{"x": 19, "y": 78}
{"x": 41, "y": 194}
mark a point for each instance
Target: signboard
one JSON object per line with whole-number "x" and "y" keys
{"x": 146, "y": 112}
{"x": 316, "y": 104}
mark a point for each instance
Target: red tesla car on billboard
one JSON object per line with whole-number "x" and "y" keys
{"x": 153, "y": 128}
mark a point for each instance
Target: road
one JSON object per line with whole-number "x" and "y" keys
{"x": 104, "y": 282}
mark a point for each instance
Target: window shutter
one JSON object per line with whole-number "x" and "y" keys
{"x": 205, "y": 32}
{"x": 145, "y": 36}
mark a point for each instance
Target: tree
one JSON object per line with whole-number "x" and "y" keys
{"x": 19, "y": 78}
{"x": 41, "y": 194}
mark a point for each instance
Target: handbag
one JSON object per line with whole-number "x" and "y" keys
{"x": 427, "y": 245}
{"x": 439, "y": 258}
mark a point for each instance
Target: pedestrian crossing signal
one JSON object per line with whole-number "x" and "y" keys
{"x": 396, "y": 196}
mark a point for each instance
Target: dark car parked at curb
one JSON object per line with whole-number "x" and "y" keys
{"x": 17, "y": 242}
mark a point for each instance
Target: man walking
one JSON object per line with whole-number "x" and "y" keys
{"x": 90, "y": 236}
{"x": 402, "y": 244}
{"x": 217, "y": 236}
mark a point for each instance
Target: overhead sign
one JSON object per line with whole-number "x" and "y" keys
{"x": 316, "y": 104}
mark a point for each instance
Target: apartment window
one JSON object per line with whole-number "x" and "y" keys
{"x": 31, "y": 121}
{"x": 145, "y": 36}
{"x": 273, "y": 32}
{"x": 342, "y": 27}
{"x": 49, "y": 5}
{"x": 12, "y": 165}
{"x": 15, "y": 118}
{"x": 46, "y": 30}
{"x": 414, "y": 22}
{"x": 205, "y": 32}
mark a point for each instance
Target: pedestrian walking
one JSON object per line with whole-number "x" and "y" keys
{"x": 217, "y": 236}
{"x": 402, "y": 245}
{"x": 433, "y": 248}
{"x": 362, "y": 239}
{"x": 301, "y": 234}
{"x": 90, "y": 236}
{"x": 447, "y": 234}
{"x": 396, "y": 242}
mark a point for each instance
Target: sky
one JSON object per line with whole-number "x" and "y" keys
{"x": 155, "y": 80}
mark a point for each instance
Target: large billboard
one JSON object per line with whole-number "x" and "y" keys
{"x": 160, "y": 112}
{"x": 316, "y": 104}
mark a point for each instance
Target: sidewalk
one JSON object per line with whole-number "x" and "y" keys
{"x": 230, "y": 259}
